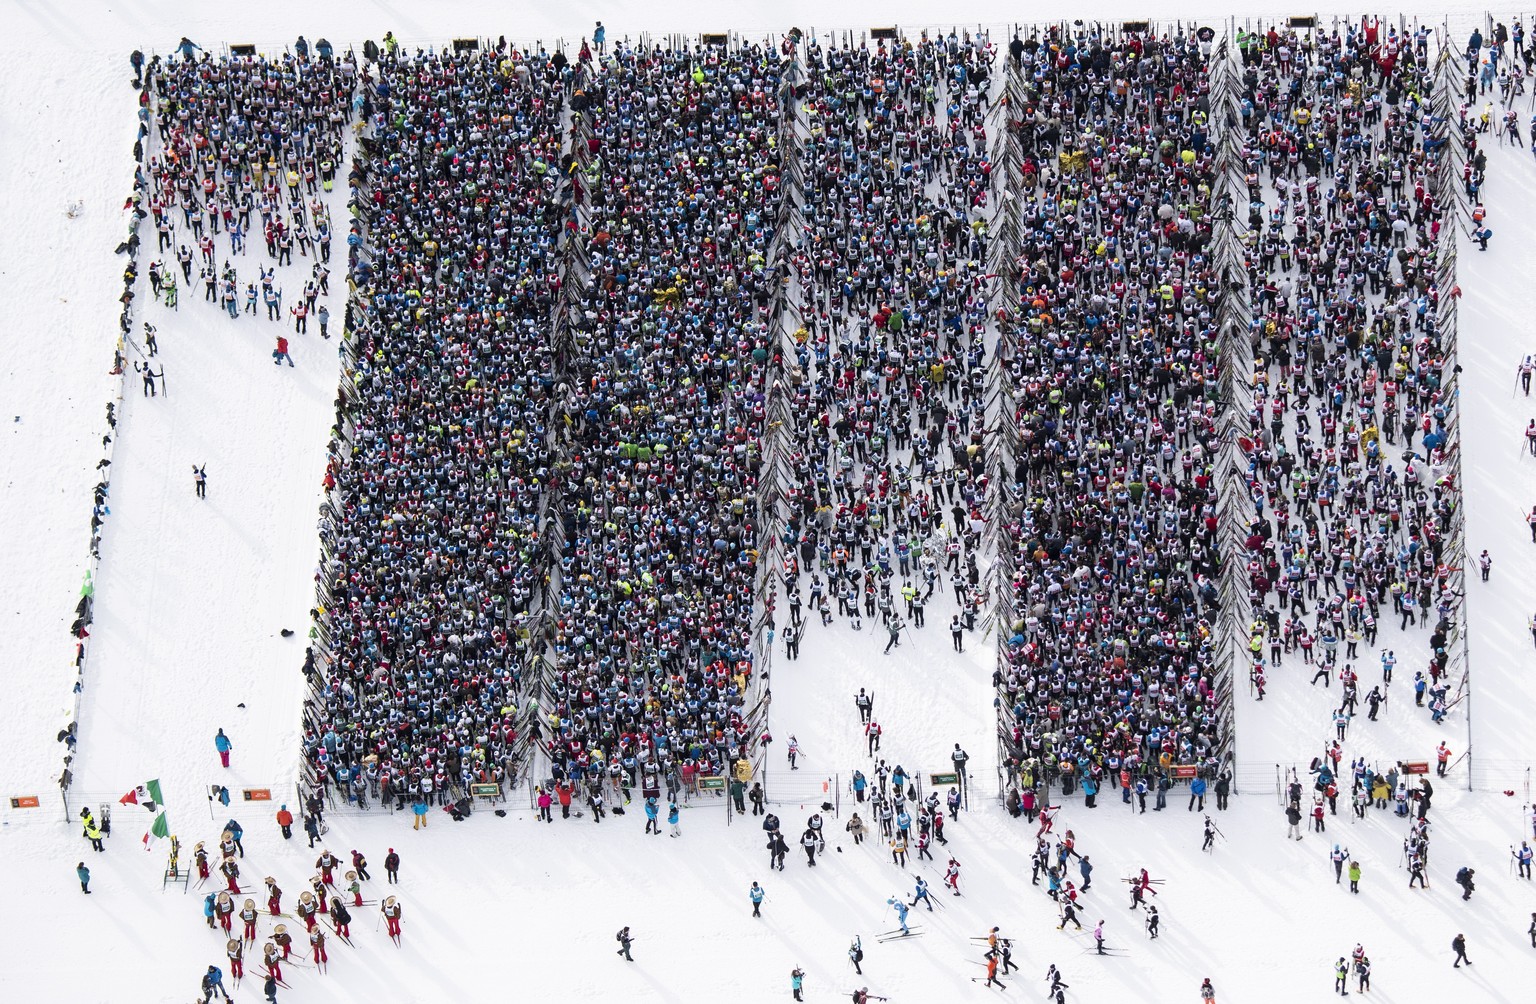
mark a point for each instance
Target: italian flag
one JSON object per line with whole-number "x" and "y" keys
{"x": 158, "y": 831}
{"x": 146, "y": 795}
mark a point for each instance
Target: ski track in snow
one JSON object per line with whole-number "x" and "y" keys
{"x": 191, "y": 596}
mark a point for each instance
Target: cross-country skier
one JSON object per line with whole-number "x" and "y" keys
{"x": 992, "y": 960}
{"x": 901, "y": 912}
{"x": 1523, "y": 859}
{"x": 922, "y": 894}
{"x": 1098, "y": 936}
{"x": 756, "y": 894}
{"x": 317, "y": 953}
{"x": 391, "y": 911}
{"x": 856, "y": 955}
{"x": 952, "y": 875}
{"x": 1338, "y": 856}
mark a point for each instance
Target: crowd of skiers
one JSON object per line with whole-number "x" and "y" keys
{"x": 889, "y": 286}
{"x": 1349, "y": 421}
{"x": 242, "y": 157}
{"x": 1108, "y": 674}
{"x": 437, "y": 480}
{"x": 324, "y": 907}
{"x": 676, "y": 178}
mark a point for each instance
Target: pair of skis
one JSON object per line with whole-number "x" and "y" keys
{"x": 898, "y": 934}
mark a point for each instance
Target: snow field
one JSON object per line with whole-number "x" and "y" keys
{"x": 192, "y": 594}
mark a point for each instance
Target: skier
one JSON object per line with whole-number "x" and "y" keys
{"x": 1338, "y": 856}
{"x": 922, "y": 894}
{"x": 317, "y": 954}
{"x": 856, "y": 955}
{"x": 234, "y": 949}
{"x": 1057, "y": 984}
{"x": 274, "y": 897}
{"x": 1523, "y": 859}
{"x": 796, "y": 982}
{"x": 1153, "y": 922}
{"x": 866, "y": 705}
{"x": 793, "y": 751}
{"x": 1442, "y": 759}
{"x": 1459, "y": 946}
{"x": 901, "y": 913}
{"x": 1210, "y": 835}
{"x": 84, "y": 875}
{"x": 992, "y": 960}
{"x": 1098, "y": 936}
{"x": 872, "y": 734}
{"x": 200, "y": 485}
{"x": 341, "y": 918}
{"x": 624, "y": 941}
{"x": 756, "y": 894}
{"x": 809, "y": 840}
{"x": 952, "y": 876}
{"x": 248, "y": 915}
{"x": 223, "y": 745}
{"x": 327, "y": 862}
{"x": 959, "y": 758}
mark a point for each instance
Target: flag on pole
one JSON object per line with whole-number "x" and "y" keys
{"x": 146, "y": 795}
{"x": 158, "y": 831}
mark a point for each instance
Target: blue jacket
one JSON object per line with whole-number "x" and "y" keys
{"x": 221, "y": 743}
{"x": 650, "y": 809}
{"x": 1197, "y": 786}
{"x": 757, "y": 894}
{"x": 672, "y": 814}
